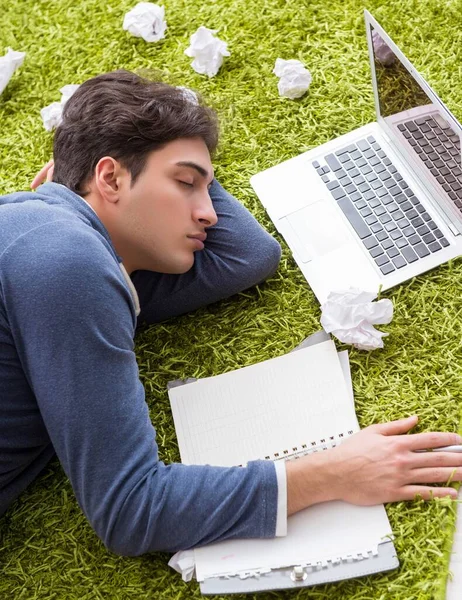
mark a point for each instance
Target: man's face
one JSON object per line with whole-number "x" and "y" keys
{"x": 165, "y": 215}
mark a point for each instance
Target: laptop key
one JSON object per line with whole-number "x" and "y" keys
{"x": 392, "y": 252}
{"x": 394, "y": 191}
{"x": 354, "y": 218}
{"x": 365, "y": 212}
{"x": 370, "y": 242}
{"x": 431, "y": 225}
{"x": 338, "y": 193}
{"x": 444, "y": 242}
{"x": 434, "y": 247}
{"x": 381, "y": 236}
{"x": 409, "y": 254}
{"x": 402, "y": 242}
{"x": 422, "y": 230}
{"x": 355, "y": 196}
{"x": 375, "y": 252}
{"x": 417, "y": 222}
{"x": 387, "y": 244}
{"x": 381, "y": 260}
{"x": 396, "y": 234}
{"x": 376, "y": 227}
{"x": 408, "y": 231}
{"x": 363, "y": 145}
{"x": 332, "y": 185}
{"x": 371, "y": 220}
{"x": 428, "y": 238}
{"x": 332, "y": 162}
{"x": 368, "y": 195}
{"x": 388, "y": 268}
{"x": 422, "y": 250}
{"x": 414, "y": 239}
{"x": 403, "y": 223}
{"x": 399, "y": 262}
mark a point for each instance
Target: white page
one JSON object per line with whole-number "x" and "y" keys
{"x": 323, "y": 532}
{"x": 268, "y": 408}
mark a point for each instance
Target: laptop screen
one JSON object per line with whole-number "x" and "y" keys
{"x": 401, "y": 98}
{"x": 397, "y": 89}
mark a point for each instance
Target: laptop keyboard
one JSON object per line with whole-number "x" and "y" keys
{"x": 438, "y": 146}
{"x": 382, "y": 209}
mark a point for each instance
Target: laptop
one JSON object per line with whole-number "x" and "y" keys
{"x": 383, "y": 203}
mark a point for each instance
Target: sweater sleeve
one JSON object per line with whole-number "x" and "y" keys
{"x": 73, "y": 321}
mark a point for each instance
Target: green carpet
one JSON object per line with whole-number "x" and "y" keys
{"x": 47, "y": 549}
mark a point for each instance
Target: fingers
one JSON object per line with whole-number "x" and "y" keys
{"x": 435, "y": 459}
{"x": 422, "y": 441}
{"x": 411, "y": 492}
{"x": 50, "y": 172}
{"x": 396, "y": 427}
{"x": 435, "y": 475}
{"x": 40, "y": 177}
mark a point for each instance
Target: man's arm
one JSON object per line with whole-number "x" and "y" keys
{"x": 376, "y": 465}
{"x": 73, "y": 320}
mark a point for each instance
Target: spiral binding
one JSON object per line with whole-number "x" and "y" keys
{"x": 308, "y": 448}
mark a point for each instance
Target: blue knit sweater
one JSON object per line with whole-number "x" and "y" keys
{"x": 69, "y": 385}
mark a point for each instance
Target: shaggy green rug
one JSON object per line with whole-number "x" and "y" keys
{"x": 47, "y": 549}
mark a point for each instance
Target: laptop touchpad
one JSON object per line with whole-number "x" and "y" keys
{"x": 315, "y": 230}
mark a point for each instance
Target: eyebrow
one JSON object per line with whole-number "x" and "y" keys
{"x": 186, "y": 163}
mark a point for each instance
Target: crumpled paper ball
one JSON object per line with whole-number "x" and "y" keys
{"x": 184, "y": 562}
{"x": 8, "y": 65}
{"x": 383, "y": 53}
{"x": 52, "y": 114}
{"x": 351, "y": 314}
{"x": 294, "y": 80}
{"x": 189, "y": 94}
{"x": 207, "y": 50}
{"x": 147, "y": 21}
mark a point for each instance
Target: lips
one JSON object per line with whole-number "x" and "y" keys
{"x": 199, "y": 236}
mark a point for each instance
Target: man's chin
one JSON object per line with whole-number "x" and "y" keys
{"x": 182, "y": 267}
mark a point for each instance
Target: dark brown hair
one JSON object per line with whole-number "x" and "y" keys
{"x": 124, "y": 116}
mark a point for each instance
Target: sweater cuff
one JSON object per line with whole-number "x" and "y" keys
{"x": 281, "y": 517}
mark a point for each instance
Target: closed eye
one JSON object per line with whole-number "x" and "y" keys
{"x": 186, "y": 183}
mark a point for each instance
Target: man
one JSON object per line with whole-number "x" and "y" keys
{"x": 133, "y": 201}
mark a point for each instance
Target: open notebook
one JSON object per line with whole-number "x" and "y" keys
{"x": 277, "y": 410}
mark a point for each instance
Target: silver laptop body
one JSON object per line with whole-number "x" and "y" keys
{"x": 383, "y": 203}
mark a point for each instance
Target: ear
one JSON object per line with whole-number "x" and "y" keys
{"x": 110, "y": 178}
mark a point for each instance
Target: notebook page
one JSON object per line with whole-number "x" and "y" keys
{"x": 264, "y": 410}
{"x": 333, "y": 531}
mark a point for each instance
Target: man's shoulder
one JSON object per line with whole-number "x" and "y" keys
{"x": 61, "y": 249}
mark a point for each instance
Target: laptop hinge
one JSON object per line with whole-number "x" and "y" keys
{"x": 453, "y": 229}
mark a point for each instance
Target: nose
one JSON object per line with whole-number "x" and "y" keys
{"x": 204, "y": 212}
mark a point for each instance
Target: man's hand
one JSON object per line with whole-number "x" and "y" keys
{"x": 45, "y": 174}
{"x": 374, "y": 466}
